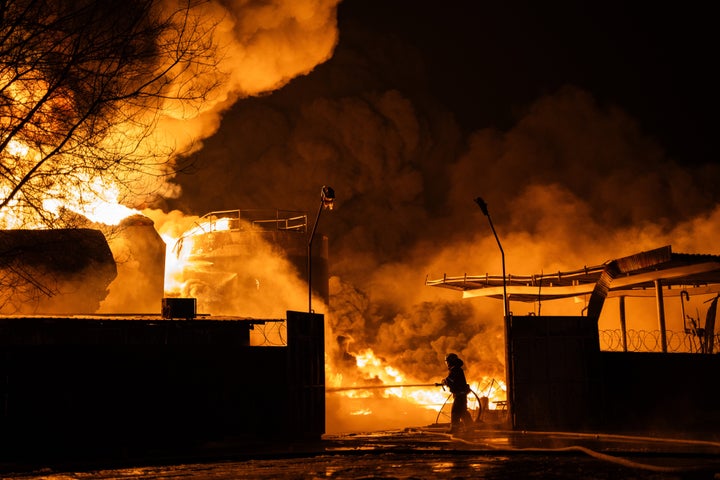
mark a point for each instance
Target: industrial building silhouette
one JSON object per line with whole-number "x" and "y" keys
{"x": 99, "y": 383}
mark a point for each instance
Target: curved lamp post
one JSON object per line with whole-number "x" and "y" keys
{"x": 483, "y": 206}
{"x": 509, "y": 370}
{"x": 327, "y": 200}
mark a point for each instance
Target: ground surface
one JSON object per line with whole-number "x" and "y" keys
{"x": 417, "y": 453}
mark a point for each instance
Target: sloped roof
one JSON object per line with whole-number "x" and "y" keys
{"x": 634, "y": 275}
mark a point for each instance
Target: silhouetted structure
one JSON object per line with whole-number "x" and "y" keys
{"x": 222, "y": 249}
{"x": 86, "y": 386}
{"x": 58, "y": 271}
{"x": 561, "y": 379}
{"x": 139, "y": 254}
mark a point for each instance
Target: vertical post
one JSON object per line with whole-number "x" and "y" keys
{"x": 623, "y": 324}
{"x": 309, "y": 259}
{"x": 327, "y": 199}
{"x": 709, "y": 343}
{"x": 661, "y": 315}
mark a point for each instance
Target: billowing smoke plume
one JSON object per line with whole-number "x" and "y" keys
{"x": 572, "y": 183}
{"x": 262, "y": 46}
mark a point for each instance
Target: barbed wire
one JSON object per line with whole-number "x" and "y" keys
{"x": 270, "y": 334}
{"x": 275, "y": 334}
{"x": 651, "y": 341}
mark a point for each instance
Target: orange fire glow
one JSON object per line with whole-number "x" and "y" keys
{"x": 98, "y": 201}
{"x": 177, "y": 256}
{"x": 388, "y": 382}
{"x": 256, "y": 69}
{"x": 378, "y": 379}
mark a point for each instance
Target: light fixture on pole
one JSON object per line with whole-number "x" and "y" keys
{"x": 483, "y": 206}
{"x": 509, "y": 370}
{"x": 327, "y": 200}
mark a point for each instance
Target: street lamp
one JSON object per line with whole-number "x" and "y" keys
{"x": 509, "y": 370}
{"x": 483, "y": 206}
{"x": 327, "y": 200}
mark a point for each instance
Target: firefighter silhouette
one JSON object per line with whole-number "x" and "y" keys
{"x": 459, "y": 416}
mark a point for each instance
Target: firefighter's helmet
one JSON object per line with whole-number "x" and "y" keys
{"x": 452, "y": 359}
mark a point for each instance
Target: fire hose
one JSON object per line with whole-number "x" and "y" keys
{"x": 366, "y": 387}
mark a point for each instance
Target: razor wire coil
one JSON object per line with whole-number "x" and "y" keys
{"x": 651, "y": 341}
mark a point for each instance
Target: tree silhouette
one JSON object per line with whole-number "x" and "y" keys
{"x": 83, "y": 87}
{"x": 83, "y": 84}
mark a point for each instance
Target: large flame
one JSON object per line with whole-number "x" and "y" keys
{"x": 377, "y": 387}
{"x": 98, "y": 201}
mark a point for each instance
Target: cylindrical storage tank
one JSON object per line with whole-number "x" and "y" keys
{"x": 54, "y": 271}
{"x": 252, "y": 263}
{"x": 139, "y": 254}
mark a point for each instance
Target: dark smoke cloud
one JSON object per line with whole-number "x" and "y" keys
{"x": 598, "y": 153}
{"x": 573, "y": 182}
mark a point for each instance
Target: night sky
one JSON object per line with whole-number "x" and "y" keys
{"x": 487, "y": 61}
{"x": 466, "y": 70}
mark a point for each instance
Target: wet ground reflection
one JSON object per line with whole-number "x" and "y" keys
{"x": 379, "y": 465}
{"x": 422, "y": 453}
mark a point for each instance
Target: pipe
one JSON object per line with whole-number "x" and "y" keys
{"x": 661, "y": 315}
{"x": 623, "y": 323}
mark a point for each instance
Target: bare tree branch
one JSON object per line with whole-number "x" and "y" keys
{"x": 83, "y": 85}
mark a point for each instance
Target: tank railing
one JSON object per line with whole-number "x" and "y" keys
{"x": 298, "y": 223}
{"x": 263, "y": 219}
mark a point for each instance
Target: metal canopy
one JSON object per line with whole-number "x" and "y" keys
{"x": 634, "y": 276}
